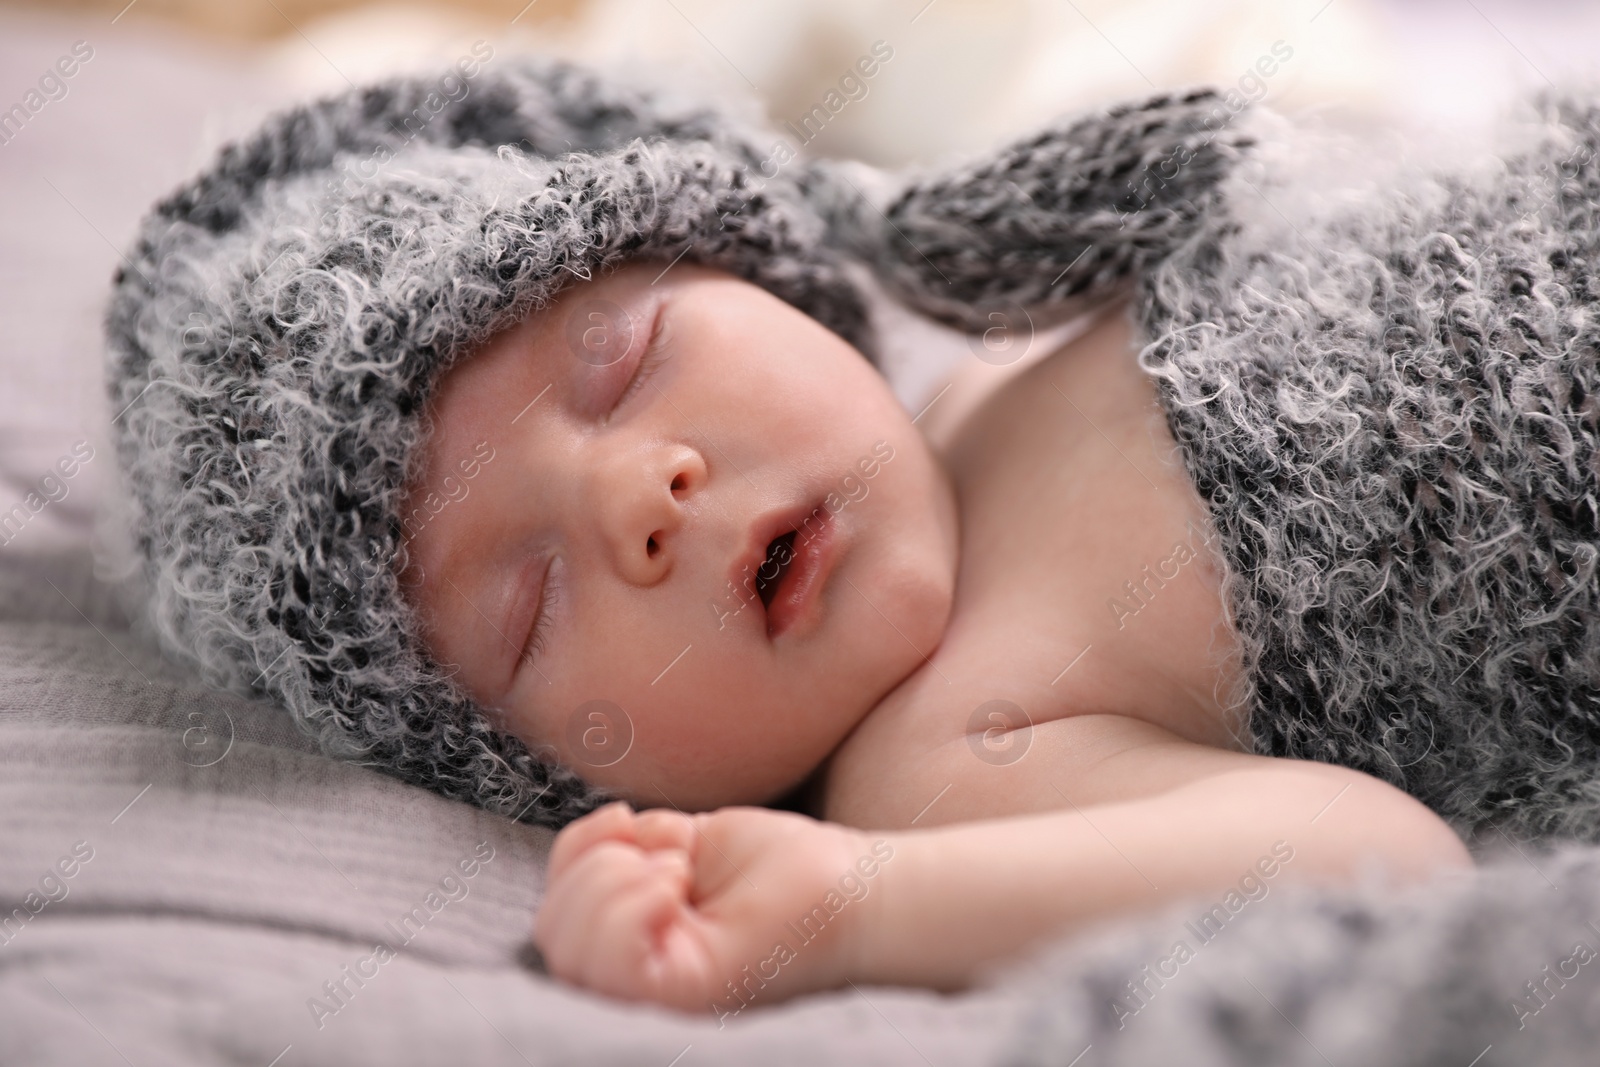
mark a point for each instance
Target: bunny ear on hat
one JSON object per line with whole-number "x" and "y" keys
{"x": 1051, "y": 222}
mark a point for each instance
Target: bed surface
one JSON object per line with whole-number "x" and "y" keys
{"x": 234, "y": 871}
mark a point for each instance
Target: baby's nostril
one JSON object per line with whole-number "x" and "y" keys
{"x": 651, "y": 547}
{"x": 677, "y": 483}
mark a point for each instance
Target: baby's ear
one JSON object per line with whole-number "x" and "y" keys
{"x": 1051, "y": 222}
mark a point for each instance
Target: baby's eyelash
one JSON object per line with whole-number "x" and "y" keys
{"x": 653, "y": 355}
{"x": 539, "y": 631}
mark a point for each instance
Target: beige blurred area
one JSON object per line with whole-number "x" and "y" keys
{"x": 263, "y": 20}
{"x": 962, "y": 74}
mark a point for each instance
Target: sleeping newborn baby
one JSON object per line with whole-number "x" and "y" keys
{"x": 521, "y": 433}
{"x": 710, "y": 528}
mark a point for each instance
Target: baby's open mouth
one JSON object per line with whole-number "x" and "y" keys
{"x": 787, "y": 559}
{"x": 780, "y": 553}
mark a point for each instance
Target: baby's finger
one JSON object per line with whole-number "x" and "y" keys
{"x": 577, "y": 903}
{"x": 570, "y": 901}
{"x": 613, "y": 822}
{"x": 631, "y": 952}
{"x": 664, "y": 828}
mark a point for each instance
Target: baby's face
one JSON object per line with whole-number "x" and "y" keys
{"x": 588, "y": 546}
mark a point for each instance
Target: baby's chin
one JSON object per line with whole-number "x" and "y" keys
{"x": 866, "y": 649}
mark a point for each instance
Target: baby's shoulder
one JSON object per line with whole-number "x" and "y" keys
{"x": 1005, "y": 769}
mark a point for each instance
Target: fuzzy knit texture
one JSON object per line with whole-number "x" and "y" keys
{"x": 277, "y": 330}
{"x": 1497, "y": 968}
{"x": 1391, "y": 409}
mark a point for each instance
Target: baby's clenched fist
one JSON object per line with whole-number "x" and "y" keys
{"x": 707, "y": 911}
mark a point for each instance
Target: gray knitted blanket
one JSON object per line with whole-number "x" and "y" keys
{"x": 1380, "y": 368}
{"x": 1391, "y": 409}
{"x": 1499, "y": 970}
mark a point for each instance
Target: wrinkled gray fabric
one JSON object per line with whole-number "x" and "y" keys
{"x": 234, "y": 870}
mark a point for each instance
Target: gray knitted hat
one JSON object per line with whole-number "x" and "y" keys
{"x": 278, "y": 328}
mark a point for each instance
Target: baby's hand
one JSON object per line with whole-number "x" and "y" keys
{"x": 658, "y": 905}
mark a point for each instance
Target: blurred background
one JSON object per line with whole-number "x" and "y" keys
{"x": 158, "y": 85}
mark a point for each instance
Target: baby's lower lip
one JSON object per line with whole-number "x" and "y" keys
{"x": 796, "y": 602}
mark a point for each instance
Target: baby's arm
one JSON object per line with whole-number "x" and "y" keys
{"x": 718, "y": 910}
{"x": 991, "y": 888}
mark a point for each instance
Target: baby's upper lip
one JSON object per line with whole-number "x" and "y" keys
{"x": 767, "y": 526}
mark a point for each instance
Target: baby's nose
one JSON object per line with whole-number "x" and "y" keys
{"x": 641, "y": 500}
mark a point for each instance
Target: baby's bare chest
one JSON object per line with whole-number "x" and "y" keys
{"x": 1087, "y": 596}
